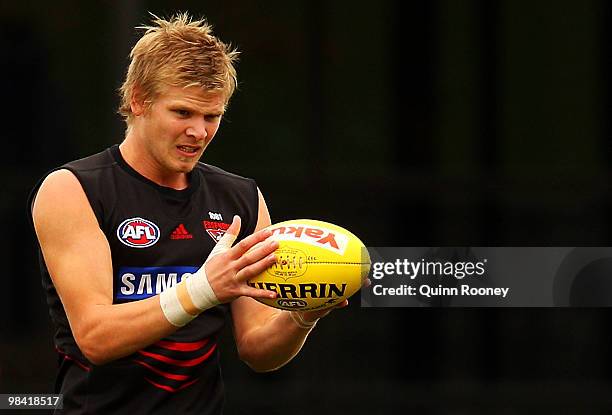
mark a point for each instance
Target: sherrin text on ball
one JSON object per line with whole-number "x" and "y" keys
{"x": 319, "y": 264}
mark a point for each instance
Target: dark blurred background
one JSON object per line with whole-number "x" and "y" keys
{"x": 411, "y": 123}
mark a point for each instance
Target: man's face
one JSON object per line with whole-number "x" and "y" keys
{"x": 178, "y": 126}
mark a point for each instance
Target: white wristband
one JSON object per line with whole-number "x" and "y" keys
{"x": 200, "y": 291}
{"x": 298, "y": 319}
{"x": 172, "y": 308}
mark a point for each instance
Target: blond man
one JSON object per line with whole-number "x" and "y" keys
{"x": 137, "y": 244}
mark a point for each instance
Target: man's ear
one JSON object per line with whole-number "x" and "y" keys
{"x": 137, "y": 102}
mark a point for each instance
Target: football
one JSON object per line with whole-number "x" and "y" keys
{"x": 318, "y": 265}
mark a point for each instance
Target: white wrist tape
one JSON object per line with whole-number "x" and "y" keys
{"x": 172, "y": 308}
{"x": 298, "y": 319}
{"x": 225, "y": 243}
{"x": 200, "y": 291}
{"x": 183, "y": 302}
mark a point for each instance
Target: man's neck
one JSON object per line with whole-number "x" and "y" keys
{"x": 145, "y": 165}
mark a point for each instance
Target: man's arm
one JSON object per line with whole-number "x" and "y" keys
{"x": 77, "y": 255}
{"x": 267, "y": 338}
{"x": 78, "y": 258}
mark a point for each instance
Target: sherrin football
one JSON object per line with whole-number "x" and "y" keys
{"x": 318, "y": 265}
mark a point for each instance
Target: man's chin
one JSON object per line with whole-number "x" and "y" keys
{"x": 186, "y": 166}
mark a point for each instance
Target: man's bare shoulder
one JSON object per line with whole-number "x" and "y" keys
{"x": 60, "y": 197}
{"x": 58, "y": 184}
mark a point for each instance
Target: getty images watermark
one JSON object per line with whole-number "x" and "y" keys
{"x": 489, "y": 277}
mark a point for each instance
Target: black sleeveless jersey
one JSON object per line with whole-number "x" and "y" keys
{"x": 157, "y": 236}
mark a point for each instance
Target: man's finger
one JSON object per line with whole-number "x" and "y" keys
{"x": 313, "y": 315}
{"x": 256, "y": 292}
{"x": 342, "y": 304}
{"x": 227, "y": 240}
{"x": 257, "y": 253}
{"x": 248, "y": 242}
{"x": 256, "y": 268}
{"x": 234, "y": 228}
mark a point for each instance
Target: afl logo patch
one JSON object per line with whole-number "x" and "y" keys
{"x": 138, "y": 233}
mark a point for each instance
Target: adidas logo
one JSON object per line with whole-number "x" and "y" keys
{"x": 180, "y": 233}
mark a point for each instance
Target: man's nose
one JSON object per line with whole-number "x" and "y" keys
{"x": 197, "y": 130}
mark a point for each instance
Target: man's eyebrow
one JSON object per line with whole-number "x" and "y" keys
{"x": 195, "y": 108}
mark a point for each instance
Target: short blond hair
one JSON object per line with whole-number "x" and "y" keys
{"x": 178, "y": 52}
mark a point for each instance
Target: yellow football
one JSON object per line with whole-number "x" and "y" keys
{"x": 318, "y": 265}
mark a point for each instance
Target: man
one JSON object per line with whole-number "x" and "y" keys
{"x": 137, "y": 285}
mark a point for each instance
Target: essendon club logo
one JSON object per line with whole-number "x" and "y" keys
{"x": 215, "y": 229}
{"x": 138, "y": 233}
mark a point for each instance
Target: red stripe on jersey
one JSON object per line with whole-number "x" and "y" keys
{"x": 182, "y": 363}
{"x": 170, "y": 388}
{"x": 162, "y": 373}
{"x": 182, "y": 346}
{"x": 72, "y": 359}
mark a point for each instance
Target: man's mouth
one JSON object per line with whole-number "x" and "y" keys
{"x": 188, "y": 149}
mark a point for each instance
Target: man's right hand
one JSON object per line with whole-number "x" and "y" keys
{"x": 229, "y": 268}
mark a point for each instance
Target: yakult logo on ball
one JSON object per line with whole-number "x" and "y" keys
{"x": 316, "y": 236}
{"x": 138, "y": 233}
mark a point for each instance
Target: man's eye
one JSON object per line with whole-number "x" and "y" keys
{"x": 212, "y": 117}
{"x": 182, "y": 113}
